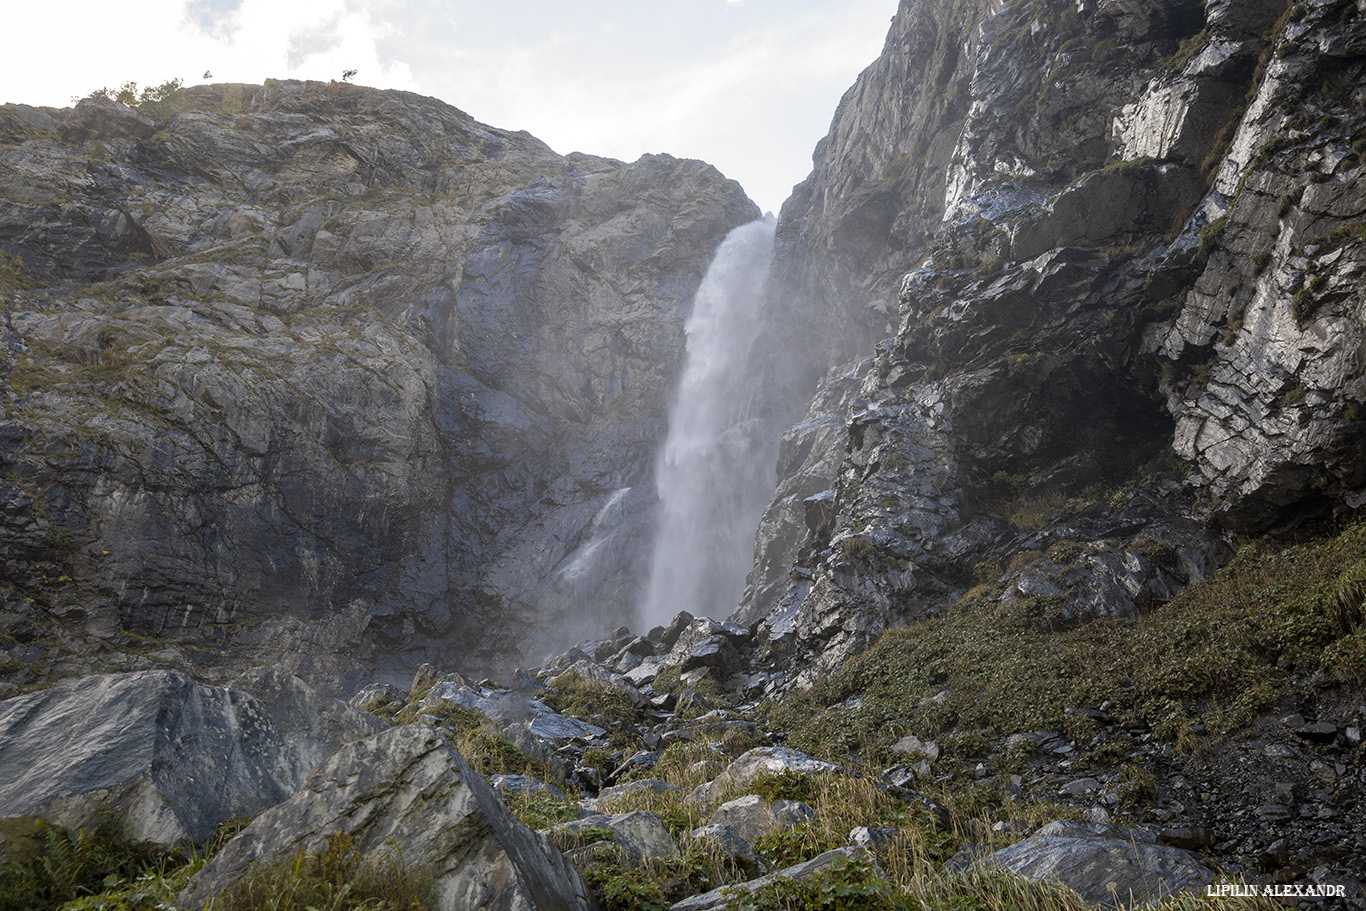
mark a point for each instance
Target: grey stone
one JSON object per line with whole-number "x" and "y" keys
{"x": 640, "y": 834}
{"x": 640, "y": 786}
{"x": 914, "y": 746}
{"x": 172, "y": 757}
{"x": 1081, "y": 787}
{"x": 408, "y": 790}
{"x": 873, "y": 838}
{"x": 1104, "y": 863}
{"x": 523, "y": 785}
{"x": 593, "y": 673}
{"x": 732, "y": 846}
{"x": 751, "y": 816}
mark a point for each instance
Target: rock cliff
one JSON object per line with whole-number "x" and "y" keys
{"x": 1125, "y": 240}
{"x": 330, "y": 377}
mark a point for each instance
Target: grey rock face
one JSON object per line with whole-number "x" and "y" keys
{"x": 1271, "y": 422}
{"x": 408, "y": 788}
{"x": 1117, "y": 260}
{"x": 1110, "y": 864}
{"x": 334, "y": 375}
{"x": 171, "y": 756}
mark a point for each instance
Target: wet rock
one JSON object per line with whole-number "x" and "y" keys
{"x": 408, "y": 790}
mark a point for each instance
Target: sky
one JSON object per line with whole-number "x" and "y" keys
{"x": 747, "y": 85}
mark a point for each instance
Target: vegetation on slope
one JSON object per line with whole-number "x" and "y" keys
{"x": 1204, "y": 663}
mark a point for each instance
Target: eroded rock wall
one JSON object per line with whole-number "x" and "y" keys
{"x": 331, "y": 377}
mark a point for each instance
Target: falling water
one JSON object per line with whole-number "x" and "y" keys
{"x": 715, "y": 473}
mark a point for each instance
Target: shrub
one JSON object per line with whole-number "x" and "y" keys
{"x": 337, "y": 878}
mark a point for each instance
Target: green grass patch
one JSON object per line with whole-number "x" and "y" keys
{"x": 579, "y": 697}
{"x": 477, "y": 739}
{"x": 337, "y": 878}
{"x": 1210, "y": 655}
{"x": 73, "y": 864}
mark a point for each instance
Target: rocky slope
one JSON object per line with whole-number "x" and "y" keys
{"x": 330, "y": 377}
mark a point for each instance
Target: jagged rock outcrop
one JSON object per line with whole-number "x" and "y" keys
{"x": 337, "y": 377}
{"x": 1140, "y": 233}
{"x": 408, "y": 790}
{"x": 172, "y": 758}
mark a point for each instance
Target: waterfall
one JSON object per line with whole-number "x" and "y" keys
{"x": 715, "y": 473}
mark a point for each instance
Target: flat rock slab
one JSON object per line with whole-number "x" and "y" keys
{"x": 408, "y": 790}
{"x": 171, "y": 756}
{"x": 1113, "y": 865}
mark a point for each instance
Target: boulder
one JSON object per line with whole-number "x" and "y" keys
{"x": 914, "y": 746}
{"x": 761, "y": 760}
{"x": 408, "y": 790}
{"x": 104, "y": 119}
{"x": 732, "y": 846}
{"x": 751, "y": 816}
{"x": 639, "y": 786}
{"x": 1104, "y": 863}
{"x": 596, "y": 674}
{"x": 171, "y": 756}
{"x": 639, "y": 834}
{"x": 315, "y": 724}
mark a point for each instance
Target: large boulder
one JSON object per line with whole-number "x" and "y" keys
{"x": 172, "y": 757}
{"x": 408, "y": 790}
{"x": 1104, "y": 863}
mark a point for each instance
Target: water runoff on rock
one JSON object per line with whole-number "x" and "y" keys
{"x": 716, "y": 470}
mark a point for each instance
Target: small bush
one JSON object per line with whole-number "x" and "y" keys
{"x": 336, "y": 878}
{"x": 843, "y": 886}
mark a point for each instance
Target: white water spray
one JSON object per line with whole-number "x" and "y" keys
{"x": 715, "y": 475}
